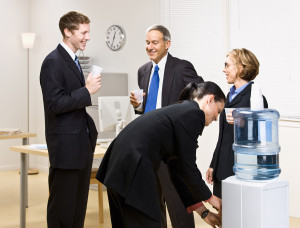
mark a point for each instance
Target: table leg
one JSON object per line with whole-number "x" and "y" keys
{"x": 26, "y": 142}
{"x": 23, "y": 180}
{"x": 23, "y": 185}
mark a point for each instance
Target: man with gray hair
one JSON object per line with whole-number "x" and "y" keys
{"x": 162, "y": 80}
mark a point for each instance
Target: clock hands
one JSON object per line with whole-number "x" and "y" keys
{"x": 113, "y": 39}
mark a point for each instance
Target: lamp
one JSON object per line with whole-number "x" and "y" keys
{"x": 28, "y": 41}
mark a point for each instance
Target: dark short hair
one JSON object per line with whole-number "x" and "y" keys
{"x": 199, "y": 90}
{"x": 247, "y": 60}
{"x": 71, "y": 21}
{"x": 162, "y": 29}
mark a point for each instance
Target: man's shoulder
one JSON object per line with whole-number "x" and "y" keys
{"x": 52, "y": 54}
{"x": 146, "y": 65}
{"x": 177, "y": 61}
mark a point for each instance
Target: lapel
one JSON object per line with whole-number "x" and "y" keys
{"x": 168, "y": 81}
{"x": 238, "y": 97}
{"x": 70, "y": 62}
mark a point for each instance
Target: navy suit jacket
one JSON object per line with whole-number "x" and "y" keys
{"x": 223, "y": 158}
{"x": 178, "y": 73}
{"x": 69, "y": 129}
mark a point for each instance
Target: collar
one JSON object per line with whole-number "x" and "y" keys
{"x": 161, "y": 64}
{"x": 233, "y": 90}
{"x": 66, "y": 47}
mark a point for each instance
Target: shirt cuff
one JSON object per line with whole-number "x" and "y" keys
{"x": 140, "y": 107}
{"x": 194, "y": 207}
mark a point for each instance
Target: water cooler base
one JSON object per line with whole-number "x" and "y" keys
{"x": 255, "y": 204}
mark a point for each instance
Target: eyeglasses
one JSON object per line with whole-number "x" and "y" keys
{"x": 228, "y": 65}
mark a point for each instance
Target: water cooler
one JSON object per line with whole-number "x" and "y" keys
{"x": 255, "y": 197}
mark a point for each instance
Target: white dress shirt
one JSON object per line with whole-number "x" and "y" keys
{"x": 161, "y": 73}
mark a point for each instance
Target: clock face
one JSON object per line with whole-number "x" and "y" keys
{"x": 115, "y": 37}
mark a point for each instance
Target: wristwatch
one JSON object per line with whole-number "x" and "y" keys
{"x": 204, "y": 214}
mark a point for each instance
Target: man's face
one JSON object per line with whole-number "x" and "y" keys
{"x": 156, "y": 47}
{"x": 77, "y": 39}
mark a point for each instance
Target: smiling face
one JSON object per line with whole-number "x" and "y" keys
{"x": 156, "y": 47}
{"x": 231, "y": 70}
{"x": 77, "y": 39}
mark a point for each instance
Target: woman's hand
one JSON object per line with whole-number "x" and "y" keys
{"x": 214, "y": 220}
{"x": 209, "y": 176}
{"x": 229, "y": 117}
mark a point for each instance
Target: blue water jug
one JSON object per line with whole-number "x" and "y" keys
{"x": 256, "y": 148}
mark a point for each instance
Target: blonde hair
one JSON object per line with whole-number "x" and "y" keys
{"x": 247, "y": 60}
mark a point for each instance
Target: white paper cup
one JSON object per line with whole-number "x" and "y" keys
{"x": 139, "y": 95}
{"x": 228, "y": 110}
{"x": 96, "y": 71}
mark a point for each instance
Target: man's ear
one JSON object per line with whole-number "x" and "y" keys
{"x": 67, "y": 33}
{"x": 168, "y": 44}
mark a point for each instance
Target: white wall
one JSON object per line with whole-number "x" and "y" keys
{"x": 13, "y": 88}
{"x": 42, "y": 17}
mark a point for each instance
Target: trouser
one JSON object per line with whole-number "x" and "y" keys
{"x": 125, "y": 216}
{"x": 69, "y": 189}
{"x": 179, "y": 216}
{"x": 217, "y": 188}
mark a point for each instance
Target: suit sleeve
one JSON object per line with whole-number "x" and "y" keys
{"x": 57, "y": 100}
{"x": 141, "y": 87}
{"x": 184, "y": 172}
{"x": 190, "y": 74}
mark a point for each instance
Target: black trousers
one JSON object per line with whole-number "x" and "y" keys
{"x": 69, "y": 189}
{"x": 125, "y": 216}
{"x": 179, "y": 216}
{"x": 217, "y": 188}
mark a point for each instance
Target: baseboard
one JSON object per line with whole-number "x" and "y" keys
{"x": 9, "y": 167}
{"x": 44, "y": 169}
{"x": 294, "y": 213}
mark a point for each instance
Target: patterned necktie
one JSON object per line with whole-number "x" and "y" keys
{"x": 153, "y": 90}
{"x": 77, "y": 63}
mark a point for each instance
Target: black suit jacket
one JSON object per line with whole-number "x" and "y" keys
{"x": 66, "y": 121}
{"x": 168, "y": 134}
{"x": 178, "y": 73}
{"x": 223, "y": 158}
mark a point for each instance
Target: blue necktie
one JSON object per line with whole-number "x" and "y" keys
{"x": 153, "y": 90}
{"x": 77, "y": 63}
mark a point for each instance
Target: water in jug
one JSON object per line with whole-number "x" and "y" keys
{"x": 256, "y": 148}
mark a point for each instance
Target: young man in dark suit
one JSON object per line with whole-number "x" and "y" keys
{"x": 70, "y": 132}
{"x": 168, "y": 76}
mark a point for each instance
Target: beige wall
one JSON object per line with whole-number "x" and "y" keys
{"x": 13, "y": 88}
{"x": 41, "y": 17}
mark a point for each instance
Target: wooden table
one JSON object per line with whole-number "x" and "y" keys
{"x": 25, "y": 150}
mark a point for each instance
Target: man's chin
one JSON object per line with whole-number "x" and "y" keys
{"x": 151, "y": 57}
{"x": 82, "y": 48}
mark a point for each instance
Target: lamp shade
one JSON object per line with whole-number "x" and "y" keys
{"x": 28, "y": 39}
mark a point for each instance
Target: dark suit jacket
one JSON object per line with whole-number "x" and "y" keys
{"x": 66, "y": 121}
{"x": 223, "y": 158}
{"x": 178, "y": 73}
{"x": 168, "y": 134}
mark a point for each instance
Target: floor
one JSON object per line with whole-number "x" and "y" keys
{"x": 38, "y": 194}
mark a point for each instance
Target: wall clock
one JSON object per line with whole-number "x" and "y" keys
{"x": 115, "y": 37}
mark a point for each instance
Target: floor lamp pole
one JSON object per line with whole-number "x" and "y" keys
{"x": 31, "y": 171}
